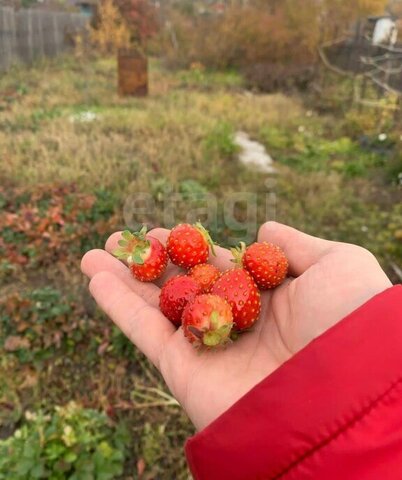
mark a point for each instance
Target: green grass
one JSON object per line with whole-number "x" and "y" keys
{"x": 330, "y": 182}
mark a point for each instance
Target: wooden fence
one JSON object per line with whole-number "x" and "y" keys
{"x": 29, "y": 34}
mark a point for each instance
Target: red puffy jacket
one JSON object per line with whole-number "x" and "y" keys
{"x": 332, "y": 412}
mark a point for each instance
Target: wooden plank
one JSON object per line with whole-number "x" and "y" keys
{"x": 27, "y": 34}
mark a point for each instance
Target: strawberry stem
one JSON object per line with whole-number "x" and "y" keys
{"x": 219, "y": 336}
{"x": 238, "y": 253}
{"x": 207, "y": 236}
{"x": 133, "y": 247}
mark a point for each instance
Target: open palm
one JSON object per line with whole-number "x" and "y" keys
{"x": 329, "y": 280}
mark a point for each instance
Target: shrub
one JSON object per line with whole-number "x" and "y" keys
{"x": 73, "y": 442}
{"x": 336, "y": 15}
{"x": 244, "y": 36}
{"x": 275, "y": 43}
{"x": 271, "y": 77}
{"x": 109, "y": 31}
{"x": 141, "y": 19}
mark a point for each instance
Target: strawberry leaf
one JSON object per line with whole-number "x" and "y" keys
{"x": 212, "y": 339}
{"x": 195, "y": 331}
{"x": 127, "y": 235}
{"x": 214, "y": 318}
{"x": 238, "y": 253}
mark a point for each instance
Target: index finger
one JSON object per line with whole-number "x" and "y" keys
{"x": 143, "y": 324}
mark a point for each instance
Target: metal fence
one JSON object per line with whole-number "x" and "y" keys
{"x": 29, "y": 34}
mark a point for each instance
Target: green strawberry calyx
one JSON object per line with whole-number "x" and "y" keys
{"x": 238, "y": 254}
{"x": 204, "y": 232}
{"x": 134, "y": 248}
{"x": 217, "y": 335}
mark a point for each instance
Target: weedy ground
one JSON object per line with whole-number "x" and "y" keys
{"x": 73, "y": 153}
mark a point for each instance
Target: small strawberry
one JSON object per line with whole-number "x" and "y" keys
{"x": 175, "y": 295}
{"x": 208, "y": 320}
{"x": 144, "y": 254}
{"x": 188, "y": 245}
{"x": 266, "y": 262}
{"x": 205, "y": 275}
{"x": 238, "y": 288}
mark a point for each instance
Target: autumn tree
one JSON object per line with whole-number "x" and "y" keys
{"x": 109, "y": 31}
{"x": 273, "y": 41}
{"x": 326, "y": 19}
{"x": 338, "y": 15}
{"x": 141, "y": 18}
{"x": 395, "y": 8}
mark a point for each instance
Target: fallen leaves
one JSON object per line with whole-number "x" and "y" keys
{"x": 41, "y": 225}
{"x": 14, "y": 343}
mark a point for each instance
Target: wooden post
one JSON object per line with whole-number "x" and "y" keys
{"x": 363, "y": 92}
{"x": 132, "y": 73}
{"x": 41, "y": 43}
{"x": 4, "y": 40}
{"x": 29, "y": 35}
{"x": 13, "y": 30}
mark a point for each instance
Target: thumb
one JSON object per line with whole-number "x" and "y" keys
{"x": 302, "y": 250}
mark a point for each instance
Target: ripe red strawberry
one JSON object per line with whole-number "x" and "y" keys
{"x": 188, "y": 245}
{"x": 267, "y": 263}
{"x": 145, "y": 255}
{"x": 208, "y": 320}
{"x": 175, "y": 295}
{"x": 205, "y": 275}
{"x": 238, "y": 288}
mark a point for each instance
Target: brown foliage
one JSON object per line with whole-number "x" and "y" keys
{"x": 248, "y": 36}
{"x": 141, "y": 19}
{"x": 271, "y": 40}
{"x": 337, "y": 15}
{"x": 43, "y": 225}
{"x": 109, "y": 31}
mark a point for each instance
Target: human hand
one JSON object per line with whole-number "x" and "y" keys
{"x": 329, "y": 280}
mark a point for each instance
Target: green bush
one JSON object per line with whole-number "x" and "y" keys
{"x": 308, "y": 151}
{"x": 73, "y": 443}
{"x": 192, "y": 190}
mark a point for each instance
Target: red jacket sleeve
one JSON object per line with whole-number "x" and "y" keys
{"x": 334, "y": 411}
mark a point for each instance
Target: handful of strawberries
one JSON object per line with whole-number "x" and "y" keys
{"x": 212, "y": 307}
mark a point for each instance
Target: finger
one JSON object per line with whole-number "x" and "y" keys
{"x": 223, "y": 259}
{"x": 302, "y": 250}
{"x": 96, "y": 261}
{"x": 172, "y": 270}
{"x": 143, "y": 324}
{"x": 161, "y": 234}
